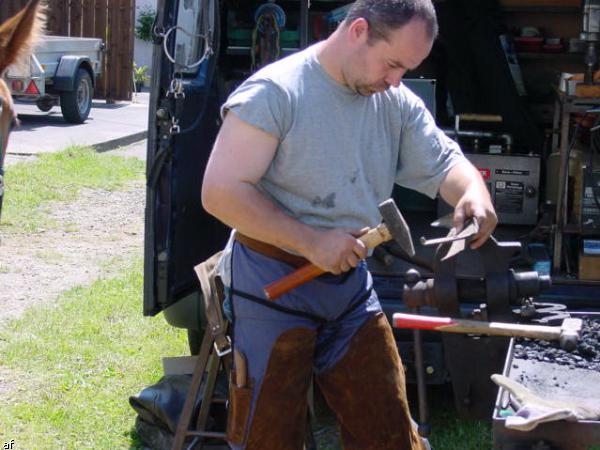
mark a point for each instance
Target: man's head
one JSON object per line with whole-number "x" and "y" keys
{"x": 385, "y": 39}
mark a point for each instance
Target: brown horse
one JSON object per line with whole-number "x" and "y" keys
{"x": 17, "y": 37}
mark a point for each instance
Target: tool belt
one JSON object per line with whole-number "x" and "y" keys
{"x": 271, "y": 251}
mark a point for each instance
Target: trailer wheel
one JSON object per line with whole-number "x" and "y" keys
{"x": 76, "y": 104}
{"x": 45, "y": 104}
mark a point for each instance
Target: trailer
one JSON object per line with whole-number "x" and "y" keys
{"x": 61, "y": 71}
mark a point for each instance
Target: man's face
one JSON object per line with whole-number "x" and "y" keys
{"x": 374, "y": 67}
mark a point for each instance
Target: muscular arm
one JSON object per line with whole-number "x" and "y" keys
{"x": 240, "y": 157}
{"x": 464, "y": 189}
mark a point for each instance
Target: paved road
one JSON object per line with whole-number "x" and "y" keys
{"x": 108, "y": 127}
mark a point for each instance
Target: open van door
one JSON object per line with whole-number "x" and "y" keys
{"x": 185, "y": 92}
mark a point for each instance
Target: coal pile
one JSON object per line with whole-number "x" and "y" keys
{"x": 585, "y": 356}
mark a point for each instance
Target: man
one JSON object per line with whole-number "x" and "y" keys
{"x": 309, "y": 146}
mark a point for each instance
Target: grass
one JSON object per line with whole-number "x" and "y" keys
{"x": 448, "y": 432}
{"x": 73, "y": 366}
{"x": 60, "y": 177}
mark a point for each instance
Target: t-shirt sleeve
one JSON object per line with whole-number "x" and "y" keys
{"x": 262, "y": 104}
{"x": 426, "y": 153}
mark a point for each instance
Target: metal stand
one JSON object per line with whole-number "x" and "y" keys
{"x": 424, "y": 426}
{"x": 209, "y": 362}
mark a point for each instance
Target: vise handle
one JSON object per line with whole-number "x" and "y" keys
{"x": 370, "y": 239}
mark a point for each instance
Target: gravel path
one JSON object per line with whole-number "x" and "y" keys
{"x": 99, "y": 227}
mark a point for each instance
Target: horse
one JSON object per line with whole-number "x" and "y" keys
{"x": 18, "y": 35}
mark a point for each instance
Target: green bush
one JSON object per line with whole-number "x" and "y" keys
{"x": 145, "y": 20}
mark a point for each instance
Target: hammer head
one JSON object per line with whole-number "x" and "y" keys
{"x": 397, "y": 226}
{"x": 570, "y": 331}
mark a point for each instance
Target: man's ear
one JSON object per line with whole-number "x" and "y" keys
{"x": 358, "y": 30}
{"x": 19, "y": 32}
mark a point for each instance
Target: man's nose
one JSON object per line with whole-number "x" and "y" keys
{"x": 394, "y": 78}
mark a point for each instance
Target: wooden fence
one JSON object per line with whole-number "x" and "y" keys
{"x": 109, "y": 20}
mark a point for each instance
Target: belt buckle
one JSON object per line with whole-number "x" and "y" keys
{"x": 226, "y": 349}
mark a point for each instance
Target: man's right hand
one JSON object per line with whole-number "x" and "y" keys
{"x": 337, "y": 250}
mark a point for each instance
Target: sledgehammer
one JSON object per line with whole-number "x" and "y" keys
{"x": 393, "y": 227}
{"x": 567, "y": 333}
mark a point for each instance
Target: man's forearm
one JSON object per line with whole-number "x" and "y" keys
{"x": 253, "y": 214}
{"x": 465, "y": 189}
{"x": 462, "y": 177}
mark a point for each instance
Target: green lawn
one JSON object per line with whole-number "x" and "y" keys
{"x": 448, "y": 432}
{"x": 70, "y": 368}
{"x": 29, "y": 186}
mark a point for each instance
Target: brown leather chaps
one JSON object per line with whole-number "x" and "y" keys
{"x": 366, "y": 390}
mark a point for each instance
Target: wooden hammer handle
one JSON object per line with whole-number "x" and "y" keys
{"x": 371, "y": 239}
{"x": 305, "y": 273}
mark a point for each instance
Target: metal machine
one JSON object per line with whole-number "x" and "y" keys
{"x": 591, "y": 35}
{"x": 513, "y": 182}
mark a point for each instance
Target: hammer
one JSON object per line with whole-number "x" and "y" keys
{"x": 393, "y": 227}
{"x": 567, "y": 333}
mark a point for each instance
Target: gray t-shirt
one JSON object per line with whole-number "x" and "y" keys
{"x": 340, "y": 153}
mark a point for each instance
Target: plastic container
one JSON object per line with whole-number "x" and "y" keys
{"x": 541, "y": 258}
{"x": 241, "y": 37}
{"x": 591, "y": 247}
{"x": 553, "y": 45}
{"x": 289, "y": 39}
{"x": 529, "y": 44}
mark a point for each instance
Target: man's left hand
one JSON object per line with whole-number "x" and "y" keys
{"x": 477, "y": 204}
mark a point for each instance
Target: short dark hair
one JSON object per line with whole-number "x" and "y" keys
{"x": 386, "y": 15}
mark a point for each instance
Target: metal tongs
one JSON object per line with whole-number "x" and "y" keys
{"x": 456, "y": 238}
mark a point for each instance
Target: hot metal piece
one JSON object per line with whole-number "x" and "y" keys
{"x": 471, "y": 229}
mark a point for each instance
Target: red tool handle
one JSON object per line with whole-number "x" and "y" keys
{"x": 294, "y": 279}
{"x": 420, "y": 322}
{"x": 371, "y": 239}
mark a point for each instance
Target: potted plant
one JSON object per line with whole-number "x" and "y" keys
{"x": 140, "y": 76}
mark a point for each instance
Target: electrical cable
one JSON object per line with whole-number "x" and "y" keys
{"x": 163, "y": 154}
{"x": 209, "y": 75}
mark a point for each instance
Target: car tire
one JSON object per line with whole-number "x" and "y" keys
{"x": 76, "y": 104}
